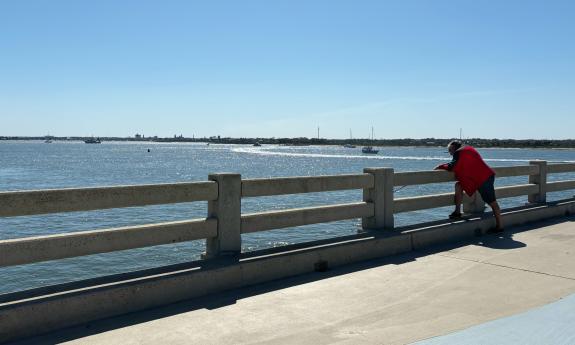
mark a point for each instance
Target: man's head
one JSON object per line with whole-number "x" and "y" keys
{"x": 453, "y": 146}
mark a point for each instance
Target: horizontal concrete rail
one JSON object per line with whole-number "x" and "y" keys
{"x": 303, "y": 216}
{"x": 520, "y": 170}
{"x": 296, "y": 185}
{"x": 561, "y": 185}
{"x": 409, "y": 178}
{"x": 518, "y": 190}
{"x": 24, "y": 203}
{"x": 52, "y": 247}
{"x": 561, "y": 168}
{"x": 422, "y": 202}
{"x": 440, "y": 200}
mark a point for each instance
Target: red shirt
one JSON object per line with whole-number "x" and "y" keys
{"x": 469, "y": 168}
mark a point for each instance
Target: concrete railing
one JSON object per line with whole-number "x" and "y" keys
{"x": 470, "y": 205}
{"x": 224, "y": 224}
{"x": 44, "y": 248}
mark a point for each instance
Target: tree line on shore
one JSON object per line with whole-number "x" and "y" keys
{"x": 430, "y": 142}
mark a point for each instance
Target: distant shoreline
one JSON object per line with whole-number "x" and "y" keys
{"x": 427, "y": 142}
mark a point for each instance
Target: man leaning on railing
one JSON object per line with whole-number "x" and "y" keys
{"x": 472, "y": 174}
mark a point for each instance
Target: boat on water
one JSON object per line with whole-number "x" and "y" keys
{"x": 369, "y": 149}
{"x": 257, "y": 144}
{"x": 93, "y": 141}
{"x": 48, "y": 141}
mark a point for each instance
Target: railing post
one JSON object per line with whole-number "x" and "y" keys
{"x": 381, "y": 195}
{"x": 227, "y": 210}
{"x": 541, "y": 180}
{"x": 473, "y": 204}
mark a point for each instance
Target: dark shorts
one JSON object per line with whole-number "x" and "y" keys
{"x": 487, "y": 190}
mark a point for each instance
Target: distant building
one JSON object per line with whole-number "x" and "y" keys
{"x": 138, "y": 136}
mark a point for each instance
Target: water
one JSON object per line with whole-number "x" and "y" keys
{"x": 35, "y": 165}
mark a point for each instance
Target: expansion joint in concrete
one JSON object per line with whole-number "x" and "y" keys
{"x": 505, "y": 266}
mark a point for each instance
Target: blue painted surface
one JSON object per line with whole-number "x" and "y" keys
{"x": 551, "y": 324}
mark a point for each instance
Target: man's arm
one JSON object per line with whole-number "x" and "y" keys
{"x": 449, "y": 166}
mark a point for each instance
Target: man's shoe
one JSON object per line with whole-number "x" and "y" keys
{"x": 495, "y": 231}
{"x": 455, "y": 215}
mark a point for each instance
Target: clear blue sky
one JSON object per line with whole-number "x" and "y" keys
{"x": 409, "y": 68}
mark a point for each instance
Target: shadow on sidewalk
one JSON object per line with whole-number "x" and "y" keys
{"x": 501, "y": 241}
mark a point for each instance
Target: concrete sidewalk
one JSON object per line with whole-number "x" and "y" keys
{"x": 398, "y": 300}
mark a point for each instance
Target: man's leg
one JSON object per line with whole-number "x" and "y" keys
{"x": 458, "y": 197}
{"x": 497, "y": 213}
{"x": 487, "y": 191}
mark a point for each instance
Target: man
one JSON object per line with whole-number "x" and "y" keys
{"x": 472, "y": 174}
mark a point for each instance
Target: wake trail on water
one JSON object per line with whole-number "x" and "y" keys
{"x": 267, "y": 152}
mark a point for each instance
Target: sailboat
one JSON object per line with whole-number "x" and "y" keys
{"x": 349, "y": 146}
{"x": 93, "y": 140}
{"x": 370, "y": 149}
